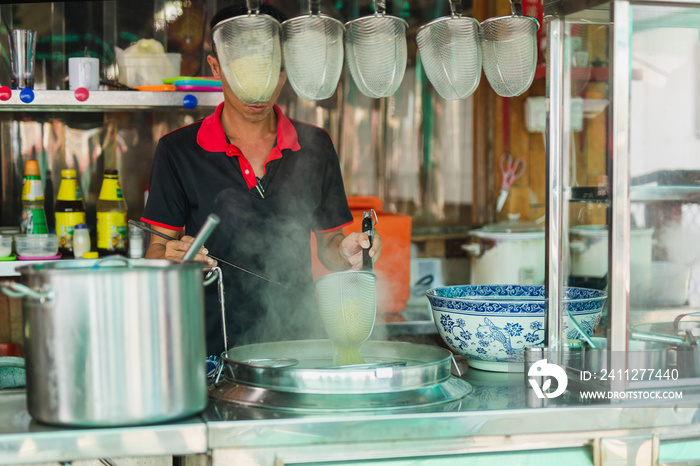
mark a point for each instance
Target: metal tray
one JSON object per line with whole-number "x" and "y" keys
{"x": 391, "y": 367}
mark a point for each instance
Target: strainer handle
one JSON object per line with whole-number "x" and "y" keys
{"x": 253, "y": 7}
{"x": 516, "y": 7}
{"x": 379, "y": 7}
{"x": 314, "y": 7}
{"x": 456, "y": 8}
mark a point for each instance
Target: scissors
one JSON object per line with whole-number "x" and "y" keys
{"x": 511, "y": 170}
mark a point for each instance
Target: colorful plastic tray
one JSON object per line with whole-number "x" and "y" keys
{"x": 42, "y": 258}
{"x": 192, "y": 88}
{"x": 192, "y": 81}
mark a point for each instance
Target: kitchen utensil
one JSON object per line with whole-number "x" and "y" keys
{"x": 641, "y": 356}
{"x": 588, "y": 245}
{"x": 509, "y": 48}
{"x": 397, "y": 376}
{"x": 348, "y": 300}
{"x": 118, "y": 342}
{"x": 145, "y": 227}
{"x": 313, "y": 53}
{"x": 22, "y": 57}
{"x": 36, "y": 245}
{"x": 348, "y": 305}
{"x": 368, "y": 229}
{"x": 450, "y": 49}
{"x": 491, "y": 325}
{"x": 376, "y": 52}
{"x": 249, "y": 52}
{"x": 511, "y": 168}
{"x": 507, "y": 252}
{"x": 202, "y": 235}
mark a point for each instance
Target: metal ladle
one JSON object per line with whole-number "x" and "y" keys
{"x": 148, "y": 229}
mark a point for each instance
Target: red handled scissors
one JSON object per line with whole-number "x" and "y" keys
{"x": 511, "y": 170}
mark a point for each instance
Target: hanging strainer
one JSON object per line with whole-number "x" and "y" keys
{"x": 313, "y": 53}
{"x": 248, "y": 49}
{"x": 450, "y": 50}
{"x": 376, "y": 52}
{"x": 509, "y": 48}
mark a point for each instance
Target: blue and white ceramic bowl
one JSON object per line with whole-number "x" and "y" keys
{"x": 491, "y": 325}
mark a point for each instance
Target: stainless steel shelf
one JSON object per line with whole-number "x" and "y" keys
{"x": 665, "y": 193}
{"x": 107, "y": 100}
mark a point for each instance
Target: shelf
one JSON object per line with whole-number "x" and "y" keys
{"x": 112, "y": 100}
{"x": 638, "y": 194}
{"x": 665, "y": 193}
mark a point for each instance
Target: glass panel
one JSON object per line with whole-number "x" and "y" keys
{"x": 587, "y": 83}
{"x": 664, "y": 165}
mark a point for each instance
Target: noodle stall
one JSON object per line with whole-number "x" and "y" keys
{"x": 285, "y": 403}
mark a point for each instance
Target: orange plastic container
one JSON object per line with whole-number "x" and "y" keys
{"x": 393, "y": 268}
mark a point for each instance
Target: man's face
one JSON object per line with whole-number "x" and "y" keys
{"x": 258, "y": 111}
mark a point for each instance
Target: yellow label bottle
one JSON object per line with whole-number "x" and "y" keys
{"x": 70, "y": 210}
{"x": 111, "y": 216}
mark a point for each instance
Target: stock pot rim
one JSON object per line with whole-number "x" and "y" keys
{"x": 107, "y": 265}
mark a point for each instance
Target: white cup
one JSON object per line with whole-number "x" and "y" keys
{"x": 84, "y": 72}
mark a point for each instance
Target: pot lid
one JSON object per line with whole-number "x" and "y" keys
{"x": 602, "y": 230}
{"x": 513, "y": 227}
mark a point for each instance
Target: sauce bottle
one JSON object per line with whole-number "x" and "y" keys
{"x": 33, "y": 219}
{"x": 111, "y": 216}
{"x": 69, "y": 210}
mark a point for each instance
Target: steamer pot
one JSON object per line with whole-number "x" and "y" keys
{"x": 589, "y": 249}
{"x": 508, "y": 252}
{"x": 120, "y": 342}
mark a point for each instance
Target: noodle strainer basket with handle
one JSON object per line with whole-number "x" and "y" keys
{"x": 509, "y": 49}
{"x": 348, "y": 305}
{"x": 450, "y": 49}
{"x": 376, "y": 52}
{"x": 249, "y": 52}
{"x": 312, "y": 46}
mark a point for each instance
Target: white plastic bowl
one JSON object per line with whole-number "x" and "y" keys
{"x": 45, "y": 245}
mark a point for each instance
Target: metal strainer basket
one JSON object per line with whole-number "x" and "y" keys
{"x": 450, "y": 50}
{"x": 348, "y": 305}
{"x": 509, "y": 48}
{"x": 313, "y": 53}
{"x": 249, "y": 52}
{"x": 376, "y": 52}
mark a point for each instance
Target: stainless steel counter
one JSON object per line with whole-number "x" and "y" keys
{"x": 500, "y": 416}
{"x": 22, "y": 440}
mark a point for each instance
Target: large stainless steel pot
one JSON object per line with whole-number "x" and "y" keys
{"x": 118, "y": 342}
{"x": 509, "y": 252}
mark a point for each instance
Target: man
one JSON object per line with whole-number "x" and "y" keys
{"x": 272, "y": 181}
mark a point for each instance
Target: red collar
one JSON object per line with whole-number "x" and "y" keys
{"x": 211, "y": 136}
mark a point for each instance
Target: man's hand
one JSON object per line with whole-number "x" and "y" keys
{"x": 352, "y": 246}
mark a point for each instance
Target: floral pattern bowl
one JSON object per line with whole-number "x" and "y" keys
{"x": 491, "y": 325}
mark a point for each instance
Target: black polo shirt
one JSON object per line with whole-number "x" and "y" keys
{"x": 196, "y": 172}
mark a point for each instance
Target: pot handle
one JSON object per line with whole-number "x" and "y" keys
{"x": 17, "y": 290}
{"x": 115, "y": 259}
{"x": 472, "y": 248}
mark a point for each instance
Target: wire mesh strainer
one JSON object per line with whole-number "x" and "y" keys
{"x": 451, "y": 53}
{"x": 509, "y": 48}
{"x": 376, "y": 52}
{"x": 348, "y": 305}
{"x": 249, "y": 52}
{"x": 313, "y": 53}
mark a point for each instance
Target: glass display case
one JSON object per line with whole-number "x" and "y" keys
{"x": 623, "y": 190}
